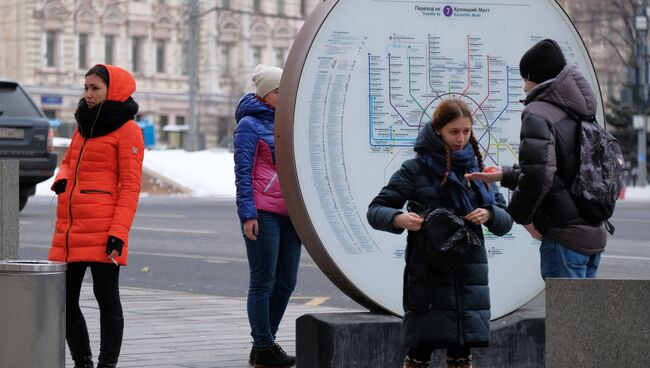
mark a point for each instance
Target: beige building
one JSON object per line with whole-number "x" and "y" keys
{"x": 48, "y": 45}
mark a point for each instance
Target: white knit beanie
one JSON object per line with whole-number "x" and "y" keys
{"x": 266, "y": 79}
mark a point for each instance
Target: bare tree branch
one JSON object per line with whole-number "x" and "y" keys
{"x": 626, "y": 12}
{"x": 630, "y": 43}
{"x": 615, "y": 47}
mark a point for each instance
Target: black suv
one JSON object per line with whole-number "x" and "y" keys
{"x": 25, "y": 135}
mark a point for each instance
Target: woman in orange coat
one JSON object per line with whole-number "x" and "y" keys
{"x": 98, "y": 185}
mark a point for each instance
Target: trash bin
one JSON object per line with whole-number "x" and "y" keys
{"x": 32, "y": 314}
{"x": 176, "y": 136}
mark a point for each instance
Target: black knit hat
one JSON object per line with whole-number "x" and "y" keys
{"x": 542, "y": 62}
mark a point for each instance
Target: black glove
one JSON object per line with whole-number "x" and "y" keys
{"x": 59, "y": 186}
{"x": 114, "y": 243}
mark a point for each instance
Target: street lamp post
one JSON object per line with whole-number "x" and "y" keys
{"x": 193, "y": 134}
{"x": 641, "y": 25}
{"x": 191, "y": 143}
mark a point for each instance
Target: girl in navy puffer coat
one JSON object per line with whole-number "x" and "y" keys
{"x": 272, "y": 245}
{"x": 443, "y": 310}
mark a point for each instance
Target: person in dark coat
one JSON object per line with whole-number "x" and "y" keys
{"x": 548, "y": 161}
{"x": 443, "y": 310}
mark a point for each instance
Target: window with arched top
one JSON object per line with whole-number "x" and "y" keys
{"x": 283, "y": 32}
{"x": 228, "y": 29}
{"x": 112, "y": 18}
{"x": 54, "y": 10}
{"x": 113, "y": 13}
{"x": 164, "y": 21}
{"x": 86, "y": 15}
{"x": 260, "y": 29}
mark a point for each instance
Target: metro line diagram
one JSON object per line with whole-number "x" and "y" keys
{"x": 362, "y": 78}
{"x": 408, "y": 79}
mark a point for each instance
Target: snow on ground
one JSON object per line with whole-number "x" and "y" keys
{"x": 211, "y": 173}
{"x": 208, "y": 173}
{"x": 637, "y": 193}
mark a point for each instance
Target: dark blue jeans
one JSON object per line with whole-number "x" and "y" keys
{"x": 273, "y": 261}
{"x": 560, "y": 261}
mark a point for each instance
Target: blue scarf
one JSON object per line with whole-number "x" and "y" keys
{"x": 455, "y": 190}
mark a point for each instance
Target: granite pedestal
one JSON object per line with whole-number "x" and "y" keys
{"x": 597, "y": 323}
{"x": 365, "y": 340}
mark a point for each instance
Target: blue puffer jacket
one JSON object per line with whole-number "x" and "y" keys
{"x": 256, "y": 178}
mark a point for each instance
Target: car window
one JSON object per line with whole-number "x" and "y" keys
{"x": 14, "y": 102}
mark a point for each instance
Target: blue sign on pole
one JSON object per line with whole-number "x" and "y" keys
{"x": 51, "y": 100}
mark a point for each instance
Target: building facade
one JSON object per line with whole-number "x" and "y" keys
{"x": 607, "y": 29}
{"x": 50, "y": 44}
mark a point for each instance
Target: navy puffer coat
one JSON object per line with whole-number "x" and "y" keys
{"x": 439, "y": 309}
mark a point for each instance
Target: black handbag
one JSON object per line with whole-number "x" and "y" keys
{"x": 447, "y": 241}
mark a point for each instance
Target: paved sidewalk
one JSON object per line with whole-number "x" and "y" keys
{"x": 166, "y": 329}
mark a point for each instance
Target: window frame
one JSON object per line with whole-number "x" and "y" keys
{"x": 137, "y": 54}
{"x": 82, "y": 50}
{"x": 51, "y": 57}
{"x": 279, "y": 51}
{"x": 161, "y": 55}
{"x": 225, "y": 63}
{"x": 258, "y": 55}
{"x": 280, "y": 7}
{"x": 109, "y": 49}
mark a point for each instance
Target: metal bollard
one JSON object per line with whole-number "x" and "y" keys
{"x": 32, "y": 314}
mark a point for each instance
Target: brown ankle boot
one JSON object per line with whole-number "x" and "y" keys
{"x": 412, "y": 363}
{"x": 459, "y": 362}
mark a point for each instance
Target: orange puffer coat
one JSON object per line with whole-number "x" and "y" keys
{"x": 103, "y": 185}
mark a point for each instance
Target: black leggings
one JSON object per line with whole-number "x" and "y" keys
{"x": 105, "y": 286}
{"x": 423, "y": 352}
{"x": 106, "y": 278}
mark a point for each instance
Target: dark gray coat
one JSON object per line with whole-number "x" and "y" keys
{"x": 548, "y": 162}
{"x": 440, "y": 309}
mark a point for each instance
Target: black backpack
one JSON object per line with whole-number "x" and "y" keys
{"x": 599, "y": 180}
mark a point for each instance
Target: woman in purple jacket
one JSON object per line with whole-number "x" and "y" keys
{"x": 272, "y": 245}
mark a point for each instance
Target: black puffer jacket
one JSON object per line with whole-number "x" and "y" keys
{"x": 440, "y": 309}
{"x": 548, "y": 157}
